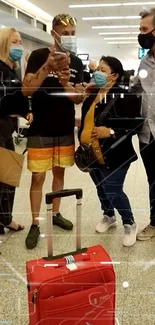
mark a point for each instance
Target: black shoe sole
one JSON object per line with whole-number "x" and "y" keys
{"x": 32, "y": 246}
{"x": 69, "y": 229}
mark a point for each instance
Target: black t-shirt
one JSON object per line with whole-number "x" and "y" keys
{"x": 54, "y": 113}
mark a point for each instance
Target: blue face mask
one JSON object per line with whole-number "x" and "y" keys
{"x": 15, "y": 53}
{"x": 99, "y": 78}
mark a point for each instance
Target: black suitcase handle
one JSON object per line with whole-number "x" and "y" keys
{"x": 78, "y": 192}
{"x": 64, "y": 193}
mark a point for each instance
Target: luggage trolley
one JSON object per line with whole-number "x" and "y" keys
{"x": 22, "y": 128}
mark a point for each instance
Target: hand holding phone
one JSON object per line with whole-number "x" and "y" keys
{"x": 57, "y": 61}
{"x": 64, "y": 76}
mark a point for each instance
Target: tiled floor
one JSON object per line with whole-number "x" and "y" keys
{"x": 136, "y": 303}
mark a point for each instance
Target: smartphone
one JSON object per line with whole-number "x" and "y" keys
{"x": 59, "y": 53}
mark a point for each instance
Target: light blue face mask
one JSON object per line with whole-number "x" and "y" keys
{"x": 68, "y": 43}
{"x": 15, "y": 53}
{"x": 99, "y": 78}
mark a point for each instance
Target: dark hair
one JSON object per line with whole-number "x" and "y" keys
{"x": 150, "y": 12}
{"x": 115, "y": 65}
{"x": 126, "y": 78}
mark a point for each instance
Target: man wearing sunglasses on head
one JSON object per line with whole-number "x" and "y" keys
{"x": 53, "y": 78}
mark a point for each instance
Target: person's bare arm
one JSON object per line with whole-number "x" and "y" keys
{"x": 75, "y": 94}
{"x": 32, "y": 81}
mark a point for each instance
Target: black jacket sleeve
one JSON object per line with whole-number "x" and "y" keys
{"x": 12, "y": 101}
{"x": 127, "y": 106}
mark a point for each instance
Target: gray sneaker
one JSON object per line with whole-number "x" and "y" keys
{"x": 130, "y": 233}
{"x": 106, "y": 223}
{"x": 147, "y": 233}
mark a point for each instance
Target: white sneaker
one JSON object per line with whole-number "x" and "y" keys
{"x": 130, "y": 233}
{"x": 147, "y": 233}
{"x": 106, "y": 223}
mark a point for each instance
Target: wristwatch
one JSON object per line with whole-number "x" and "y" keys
{"x": 112, "y": 132}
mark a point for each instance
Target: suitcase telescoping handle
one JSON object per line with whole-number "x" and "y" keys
{"x": 49, "y": 201}
{"x": 64, "y": 193}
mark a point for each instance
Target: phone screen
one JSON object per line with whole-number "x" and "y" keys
{"x": 59, "y": 53}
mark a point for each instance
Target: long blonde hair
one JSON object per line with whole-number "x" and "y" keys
{"x": 5, "y": 34}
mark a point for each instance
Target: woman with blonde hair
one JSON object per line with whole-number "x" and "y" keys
{"x": 12, "y": 104}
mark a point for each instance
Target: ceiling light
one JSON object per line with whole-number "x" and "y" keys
{"x": 122, "y": 42}
{"x": 138, "y": 3}
{"x": 118, "y": 33}
{"x": 96, "y": 5}
{"x": 111, "y": 18}
{"x": 119, "y": 38}
{"x": 115, "y": 33}
{"x": 99, "y": 5}
{"x": 119, "y": 26}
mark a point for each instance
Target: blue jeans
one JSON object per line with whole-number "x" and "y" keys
{"x": 109, "y": 186}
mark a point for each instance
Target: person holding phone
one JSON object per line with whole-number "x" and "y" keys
{"x": 53, "y": 78}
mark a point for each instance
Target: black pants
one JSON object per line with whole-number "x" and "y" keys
{"x": 148, "y": 156}
{"x": 7, "y": 192}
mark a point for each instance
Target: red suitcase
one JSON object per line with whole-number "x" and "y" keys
{"x": 73, "y": 289}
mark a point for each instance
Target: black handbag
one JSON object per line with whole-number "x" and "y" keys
{"x": 84, "y": 157}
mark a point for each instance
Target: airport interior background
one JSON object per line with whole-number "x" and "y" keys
{"x": 107, "y": 27}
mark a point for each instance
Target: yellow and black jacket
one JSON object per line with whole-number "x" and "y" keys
{"x": 127, "y": 105}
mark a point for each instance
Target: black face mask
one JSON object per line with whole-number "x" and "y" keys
{"x": 146, "y": 41}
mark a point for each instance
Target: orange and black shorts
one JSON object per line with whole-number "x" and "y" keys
{"x": 47, "y": 152}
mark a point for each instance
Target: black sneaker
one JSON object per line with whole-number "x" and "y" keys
{"x": 61, "y": 222}
{"x": 32, "y": 237}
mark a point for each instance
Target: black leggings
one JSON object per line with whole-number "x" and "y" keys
{"x": 148, "y": 156}
{"x": 7, "y": 192}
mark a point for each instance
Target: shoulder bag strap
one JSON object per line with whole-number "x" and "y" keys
{"x": 100, "y": 118}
